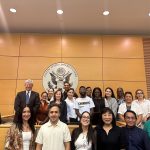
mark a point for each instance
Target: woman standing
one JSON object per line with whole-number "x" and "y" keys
{"x": 70, "y": 101}
{"x": 21, "y": 135}
{"x": 99, "y": 102}
{"x": 109, "y": 136}
{"x": 83, "y": 136}
{"x": 63, "y": 106}
{"x": 50, "y": 94}
{"x": 120, "y": 95}
{"x": 111, "y": 100}
{"x": 43, "y": 109}
{"x": 144, "y": 103}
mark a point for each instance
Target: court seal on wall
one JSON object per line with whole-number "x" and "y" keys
{"x": 58, "y": 73}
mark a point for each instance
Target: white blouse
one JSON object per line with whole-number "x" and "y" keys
{"x": 26, "y": 136}
{"x": 134, "y": 107}
{"x": 70, "y": 108}
{"x": 82, "y": 144}
{"x": 145, "y": 105}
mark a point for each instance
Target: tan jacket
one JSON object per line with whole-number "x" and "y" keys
{"x": 14, "y": 140}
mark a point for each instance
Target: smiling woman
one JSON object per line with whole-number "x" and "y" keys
{"x": 83, "y": 136}
{"x": 108, "y": 135}
{"x": 21, "y": 134}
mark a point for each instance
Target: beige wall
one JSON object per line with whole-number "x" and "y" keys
{"x": 99, "y": 61}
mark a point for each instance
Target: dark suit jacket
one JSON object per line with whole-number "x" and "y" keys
{"x": 20, "y": 103}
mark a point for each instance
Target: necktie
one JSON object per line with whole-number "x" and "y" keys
{"x": 27, "y": 98}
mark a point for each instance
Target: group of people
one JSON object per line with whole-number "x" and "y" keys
{"x": 56, "y": 109}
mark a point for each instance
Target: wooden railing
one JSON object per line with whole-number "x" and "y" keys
{"x": 4, "y": 128}
{"x": 7, "y": 118}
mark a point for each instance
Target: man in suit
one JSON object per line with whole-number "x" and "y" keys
{"x": 27, "y": 97}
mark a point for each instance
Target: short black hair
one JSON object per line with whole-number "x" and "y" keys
{"x": 82, "y": 87}
{"x": 54, "y": 105}
{"x": 130, "y": 111}
{"x": 67, "y": 83}
{"x": 128, "y": 92}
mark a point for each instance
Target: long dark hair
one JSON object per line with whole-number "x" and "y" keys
{"x": 105, "y": 110}
{"x": 112, "y": 92}
{"x": 90, "y": 135}
{"x": 19, "y": 123}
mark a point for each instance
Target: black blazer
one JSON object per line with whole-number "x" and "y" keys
{"x": 20, "y": 103}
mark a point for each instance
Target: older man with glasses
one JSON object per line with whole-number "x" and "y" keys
{"x": 27, "y": 97}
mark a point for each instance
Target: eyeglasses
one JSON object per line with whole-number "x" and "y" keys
{"x": 86, "y": 117}
{"x": 130, "y": 118}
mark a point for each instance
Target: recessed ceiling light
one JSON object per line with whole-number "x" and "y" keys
{"x": 59, "y": 12}
{"x": 105, "y": 13}
{"x": 13, "y": 10}
{"x": 149, "y": 14}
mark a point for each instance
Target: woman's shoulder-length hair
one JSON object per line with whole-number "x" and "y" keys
{"x": 105, "y": 110}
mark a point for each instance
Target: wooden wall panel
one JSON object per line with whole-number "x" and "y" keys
{"x": 99, "y": 61}
{"x": 9, "y": 44}
{"x": 124, "y": 69}
{"x": 8, "y": 67}
{"x": 91, "y": 84}
{"x": 7, "y": 92}
{"x": 127, "y": 86}
{"x": 6, "y": 109}
{"x": 34, "y": 67}
{"x": 81, "y": 46}
{"x": 40, "y": 45}
{"x": 146, "y": 48}
{"x": 87, "y": 68}
{"x": 122, "y": 46}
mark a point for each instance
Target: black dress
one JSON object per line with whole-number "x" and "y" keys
{"x": 99, "y": 106}
{"x": 114, "y": 140}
